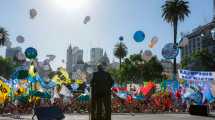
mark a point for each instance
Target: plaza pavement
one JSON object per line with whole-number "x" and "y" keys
{"x": 126, "y": 117}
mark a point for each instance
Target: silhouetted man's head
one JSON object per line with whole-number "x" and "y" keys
{"x": 100, "y": 67}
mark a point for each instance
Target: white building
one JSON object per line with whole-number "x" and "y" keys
{"x": 95, "y": 55}
{"x": 74, "y": 57}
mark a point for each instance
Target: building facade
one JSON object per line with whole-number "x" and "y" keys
{"x": 74, "y": 57}
{"x": 201, "y": 38}
{"x": 12, "y": 52}
{"x": 95, "y": 55}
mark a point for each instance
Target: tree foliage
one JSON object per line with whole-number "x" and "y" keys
{"x": 199, "y": 61}
{"x": 135, "y": 69}
{"x": 120, "y": 51}
{"x": 7, "y": 66}
{"x": 3, "y": 36}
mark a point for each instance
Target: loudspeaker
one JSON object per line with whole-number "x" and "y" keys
{"x": 201, "y": 110}
{"x": 48, "y": 113}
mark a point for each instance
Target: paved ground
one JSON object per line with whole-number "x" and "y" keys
{"x": 129, "y": 117}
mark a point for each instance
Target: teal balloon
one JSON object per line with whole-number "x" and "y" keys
{"x": 139, "y": 36}
{"x": 31, "y": 53}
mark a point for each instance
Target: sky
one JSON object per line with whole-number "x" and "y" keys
{"x": 60, "y": 22}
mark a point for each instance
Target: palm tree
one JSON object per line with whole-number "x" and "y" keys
{"x": 3, "y": 36}
{"x": 173, "y": 12}
{"x": 120, "y": 51}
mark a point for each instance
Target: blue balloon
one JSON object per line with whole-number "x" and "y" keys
{"x": 139, "y": 36}
{"x": 121, "y": 38}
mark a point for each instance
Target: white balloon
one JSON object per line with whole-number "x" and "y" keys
{"x": 20, "y": 39}
{"x": 86, "y": 19}
{"x": 184, "y": 42}
{"x": 33, "y": 13}
{"x": 20, "y": 56}
{"x": 147, "y": 55}
{"x": 51, "y": 57}
{"x": 154, "y": 40}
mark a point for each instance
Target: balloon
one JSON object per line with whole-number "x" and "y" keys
{"x": 147, "y": 55}
{"x": 86, "y": 19}
{"x": 51, "y": 57}
{"x": 153, "y": 42}
{"x": 169, "y": 51}
{"x": 15, "y": 74}
{"x": 8, "y": 43}
{"x": 121, "y": 38}
{"x": 62, "y": 76}
{"x": 20, "y": 39}
{"x": 31, "y": 53}
{"x": 213, "y": 33}
{"x": 184, "y": 42}
{"x": 20, "y": 56}
{"x": 139, "y": 36}
{"x": 1, "y": 36}
{"x": 33, "y": 13}
{"x": 150, "y": 45}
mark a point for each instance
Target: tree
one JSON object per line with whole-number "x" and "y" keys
{"x": 153, "y": 69}
{"x": 7, "y": 67}
{"x": 3, "y": 36}
{"x": 202, "y": 61}
{"x": 185, "y": 62}
{"x": 173, "y": 12}
{"x": 120, "y": 51}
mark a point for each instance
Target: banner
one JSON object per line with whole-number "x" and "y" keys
{"x": 196, "y": 75}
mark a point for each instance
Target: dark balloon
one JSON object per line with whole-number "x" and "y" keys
{"x": 121, "y": 38}
{"x": 86, "y": 19}
{"x": 33, "y": 13}
{"x": 170, "y": 51}
{"x": 31, "y": 53}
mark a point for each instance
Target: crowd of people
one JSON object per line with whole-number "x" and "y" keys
{"x": 155, "y": 103}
